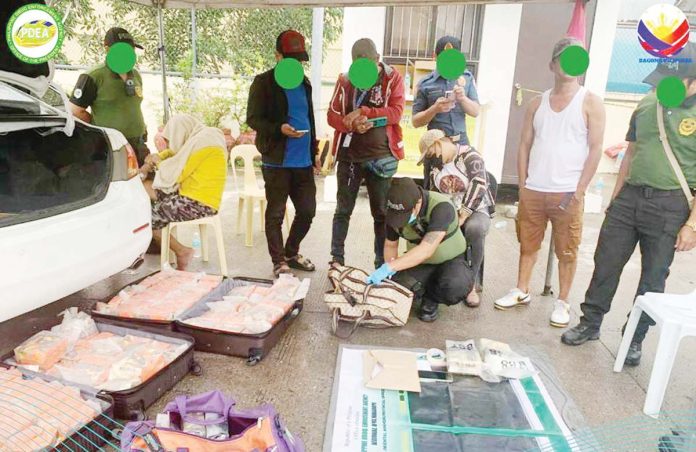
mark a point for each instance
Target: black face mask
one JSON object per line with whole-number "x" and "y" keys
{"x": 436, "y": 162}
{"x": 130, "y": 87}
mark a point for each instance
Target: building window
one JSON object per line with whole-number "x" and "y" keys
{"x": 412, "y": 31}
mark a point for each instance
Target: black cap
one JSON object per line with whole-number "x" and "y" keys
{"x": 402, "y": 197}
{"x": 291, "y": 44}
{"x": 447, "y": 42}
{"x": 675, "y": 67}
{"x": 117, "y": 34}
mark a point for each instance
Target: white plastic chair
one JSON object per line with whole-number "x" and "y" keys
{"x": 676, "y": 317}
{"x": 202, "y": 224}
{"x": 250, "y": 193}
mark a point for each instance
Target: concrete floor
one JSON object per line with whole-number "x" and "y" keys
{"x": 297, "y": 375}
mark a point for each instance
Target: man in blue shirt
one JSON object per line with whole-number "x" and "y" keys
{"x": 285, "y": 136}
{"x": 434, "y": 108}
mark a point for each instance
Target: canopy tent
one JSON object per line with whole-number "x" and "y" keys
{"x": 202, "y": 4}
{"x": 207, "y": 4}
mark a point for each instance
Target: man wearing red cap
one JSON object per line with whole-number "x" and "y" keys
{"x": 285, "y": 136}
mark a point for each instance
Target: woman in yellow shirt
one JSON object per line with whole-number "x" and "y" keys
{"x": 190, "y": 177}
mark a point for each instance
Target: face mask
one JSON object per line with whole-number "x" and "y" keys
{"x": 412, "y": 219}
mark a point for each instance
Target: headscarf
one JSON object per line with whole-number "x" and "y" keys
{"x": 186, "y": 135}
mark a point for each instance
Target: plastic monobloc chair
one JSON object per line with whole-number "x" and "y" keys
{"x": 676, "y": 317}
{"x": 250, "y": 193}
{"x": 202, "y": 224}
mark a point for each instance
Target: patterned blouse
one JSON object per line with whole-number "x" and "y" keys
{"x": 465, "y": 179}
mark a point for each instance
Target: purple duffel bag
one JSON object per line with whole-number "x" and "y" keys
{"x": 252, "y": 430}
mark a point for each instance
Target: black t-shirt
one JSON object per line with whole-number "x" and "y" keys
{"x": 441, "y": 218}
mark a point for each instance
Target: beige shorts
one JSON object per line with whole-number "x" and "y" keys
{"x": 536, "y": 209}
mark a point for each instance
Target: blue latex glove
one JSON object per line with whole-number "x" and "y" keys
{"x": 379, "y": 275}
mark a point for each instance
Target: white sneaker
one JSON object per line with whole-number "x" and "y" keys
{"x": 560, "y": 317}
{"x": 514, "y": 298}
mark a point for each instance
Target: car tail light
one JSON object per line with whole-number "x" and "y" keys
{"x": 132, "y": 162}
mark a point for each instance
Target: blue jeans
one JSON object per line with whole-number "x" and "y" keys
{"x": 350, "y": 176}
{"x": 640, "y": 216}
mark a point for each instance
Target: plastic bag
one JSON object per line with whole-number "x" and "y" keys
{"x": 463, "y": 358}
{"x": 75, "y": 326}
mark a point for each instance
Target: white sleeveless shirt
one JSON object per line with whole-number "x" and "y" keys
{"x": 560, "y": 146}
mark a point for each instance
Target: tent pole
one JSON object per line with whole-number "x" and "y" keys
{"x": 194, "y": 50}
{"x": 317, "y": 57}
{"x": 165, "y": 97}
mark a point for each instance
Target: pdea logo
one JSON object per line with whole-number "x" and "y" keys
{"x": 35, "y": 33}
{"x": 663, "y": 31}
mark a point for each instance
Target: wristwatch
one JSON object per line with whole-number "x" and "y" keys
{"x": 692, "y": 225}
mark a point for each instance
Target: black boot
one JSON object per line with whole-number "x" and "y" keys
{"x": 428, "y": 311}
{"x": 635, "y": 351}
{"x": 580, "y": 334}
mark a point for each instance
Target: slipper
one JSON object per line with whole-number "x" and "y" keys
{"x": 281, "y": 269}
{"x": 300, "y": 262}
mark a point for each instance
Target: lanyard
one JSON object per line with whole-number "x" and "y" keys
{"x": 360, "y": 100}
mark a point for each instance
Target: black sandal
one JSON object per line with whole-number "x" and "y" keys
{"x": 300, "y": 262}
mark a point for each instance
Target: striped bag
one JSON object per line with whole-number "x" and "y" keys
{"x": 354, "y": 301}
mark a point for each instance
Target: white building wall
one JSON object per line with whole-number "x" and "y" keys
{"x": 603, "y": 34}
{"x": 365, "y": 22}
{"x": 495, "y": 80}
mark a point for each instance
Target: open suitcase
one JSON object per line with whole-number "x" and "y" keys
{"x": 132, "y": 403}
{"x": 92, "y": 435}
{"x": 254, "y": 347}
{"x": 163, "y": 325}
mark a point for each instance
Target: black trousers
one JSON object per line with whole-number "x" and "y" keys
{"x": 447, "y": 283}
{"x": 297, "y": 184}
{"x": 638, "y": 216}
{"x": 475, "y": 230}
{"x": 350, "y": 176}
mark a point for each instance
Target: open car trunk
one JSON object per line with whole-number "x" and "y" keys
{"x": 46, "y": 175}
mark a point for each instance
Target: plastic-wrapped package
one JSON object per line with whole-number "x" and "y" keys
{"x": 162, "y": 296}
{"x": 43, "y": 349}
{"x": 36, "y": 414}
{"x": 463, "y": 358}
{"x": 249, "y": 309}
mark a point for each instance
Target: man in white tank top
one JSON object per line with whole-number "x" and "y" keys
{"x": 559, "y": 152}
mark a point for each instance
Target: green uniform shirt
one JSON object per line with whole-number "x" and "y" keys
{"x": 454, "y": 243}
{"x": 105, "y": 92}
{"x": 649, "y": 165}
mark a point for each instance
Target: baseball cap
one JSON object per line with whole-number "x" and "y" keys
{"x": 564, "y": 44}
{"x": 402, "y": 197}
{"x": 117, "y": 34}
{"x": 364, "y": 48}
{"x": 291, "y": 44}
{"x": 427, "y": 140}
{"x": 675, "y": 67}
{"x": 447, "y": 42}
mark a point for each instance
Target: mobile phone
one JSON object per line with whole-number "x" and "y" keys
{"x": 565, "y": 202}
{"x": 428, "y": 375}
{"x": 378, "y": 122}
{"x": 302, "y": 131}
{"x": 449, "y": 94}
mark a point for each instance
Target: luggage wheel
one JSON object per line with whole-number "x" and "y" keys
{"x": 255, "y": 356}
{"x": 138, "y": 414}
{"x": 196, "y": 369}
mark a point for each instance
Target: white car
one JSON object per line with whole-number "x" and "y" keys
{"x": 73, "y": 210}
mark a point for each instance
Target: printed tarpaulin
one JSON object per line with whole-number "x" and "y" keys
{"x": 466, "y": 414}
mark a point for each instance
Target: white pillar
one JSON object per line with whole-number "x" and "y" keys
{"x": 363, "y": 22}
{"x": 316, "y": 61}
{"x": 603, "y": 34}
{"x": 495, "y": 80}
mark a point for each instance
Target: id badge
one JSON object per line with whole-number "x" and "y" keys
{"x": 347, "y": 140}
